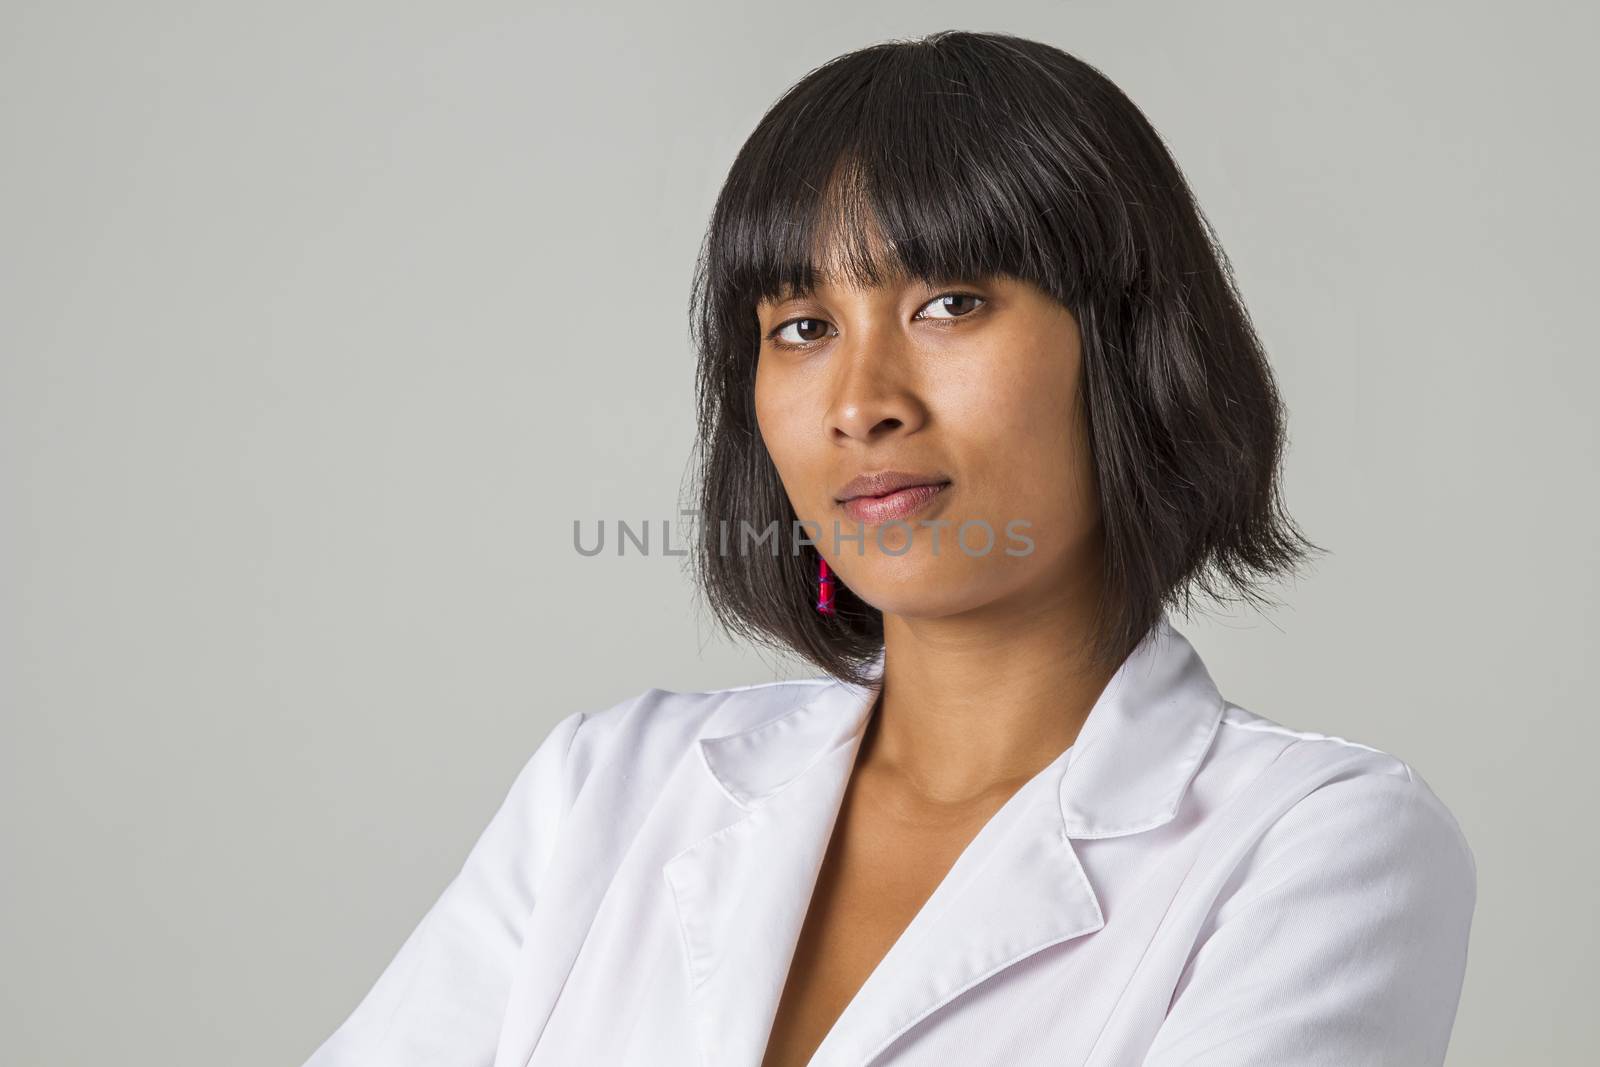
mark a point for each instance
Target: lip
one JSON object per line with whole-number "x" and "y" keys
{"x": 885, "y": 496}
{"x": 883, "y": 483}
{"x": 900, "y": 504}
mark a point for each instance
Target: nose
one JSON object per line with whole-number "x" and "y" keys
{"x": 873, "y": 392}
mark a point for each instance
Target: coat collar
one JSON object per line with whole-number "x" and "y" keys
{"x": 1127, "y": 771}
{"x": 742, "y": 893}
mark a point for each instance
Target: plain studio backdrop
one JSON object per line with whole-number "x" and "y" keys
{"x": 324, "y": 322}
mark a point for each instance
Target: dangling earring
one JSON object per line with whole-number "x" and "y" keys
{"x": 824, "y": 587}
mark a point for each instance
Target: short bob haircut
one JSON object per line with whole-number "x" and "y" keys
{"x": 972, "y": 155}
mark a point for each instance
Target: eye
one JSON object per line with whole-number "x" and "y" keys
{"x": 806, "y": 331}
{"x": 959, "y": 305}
{"x": 799, "y": 333}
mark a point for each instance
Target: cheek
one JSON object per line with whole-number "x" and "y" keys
{"x": 769, "y": 414}
{"x": 1022, "y": 419}
{"x": 1022, "y": 428}
{"x": 780, "y": 422}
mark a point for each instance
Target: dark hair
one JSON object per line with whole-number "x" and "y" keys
{"x": 968, "y": 155}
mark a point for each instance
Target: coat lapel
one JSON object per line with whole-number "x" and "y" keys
{"x": 1019, "y": 887}
{"x": 1016, "y": 889}
{"x": 742, "y": 893}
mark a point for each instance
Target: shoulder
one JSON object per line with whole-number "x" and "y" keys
{"x": 627, "y": 747}
{"x": 649, "y": 732}
{"x": 1296, "y": 790}
{"x": 1328, "y": 908}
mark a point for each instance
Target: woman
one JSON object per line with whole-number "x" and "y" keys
{"x": 978, "y": 402}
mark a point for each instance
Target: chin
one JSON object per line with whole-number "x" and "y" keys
{"x": 926, "y": 588}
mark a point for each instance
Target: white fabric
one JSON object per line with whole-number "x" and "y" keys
{"x": 1188, "y": 884}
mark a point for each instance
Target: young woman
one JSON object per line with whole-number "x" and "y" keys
{"x": 979, "y": 403}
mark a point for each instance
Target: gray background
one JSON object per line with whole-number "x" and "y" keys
{"x": 323, "y": 322}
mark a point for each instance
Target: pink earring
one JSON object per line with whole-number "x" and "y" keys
{"x": 824, "y": 587}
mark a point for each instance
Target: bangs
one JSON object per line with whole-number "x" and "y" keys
{"x": 925, "y": 167}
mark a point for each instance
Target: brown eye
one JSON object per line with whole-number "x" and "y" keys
{"x": 805, "y": 331}
{"x": 953, "y": 305}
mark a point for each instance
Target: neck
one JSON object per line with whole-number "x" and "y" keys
{"x": 983, "y": 701}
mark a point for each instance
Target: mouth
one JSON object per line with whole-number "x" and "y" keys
{"x": 898, "y": 503}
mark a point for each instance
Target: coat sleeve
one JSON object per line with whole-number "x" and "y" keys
{"x": 1341, "y": 940}
{"x": 441, "y": 1000}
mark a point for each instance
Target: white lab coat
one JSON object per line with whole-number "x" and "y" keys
{"x": 1188, "y": 884}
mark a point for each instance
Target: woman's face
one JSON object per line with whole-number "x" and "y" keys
{"x": 974, "y": 383}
